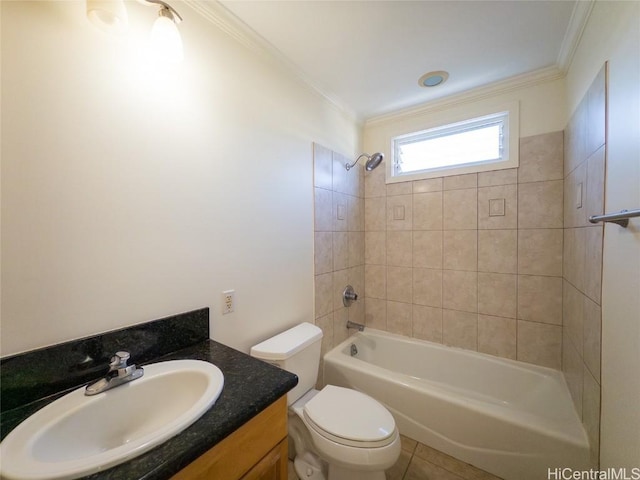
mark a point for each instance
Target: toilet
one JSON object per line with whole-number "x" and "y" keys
{"x": 336, "y": 433}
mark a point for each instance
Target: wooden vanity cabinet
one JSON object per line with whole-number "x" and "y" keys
{"x": 256, "y": 451}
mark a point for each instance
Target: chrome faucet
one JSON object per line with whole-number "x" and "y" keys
{"x": 119, "y": 373}
{"x": 355, "y": 325}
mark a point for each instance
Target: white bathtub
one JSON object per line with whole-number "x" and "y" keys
{"x": 509, "y": 418}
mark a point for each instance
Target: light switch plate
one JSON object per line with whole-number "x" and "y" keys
{"x": 398, "y": 212}
{"x": 579, "y": 195}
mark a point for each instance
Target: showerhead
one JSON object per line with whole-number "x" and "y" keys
{"x": 372, "y": 161}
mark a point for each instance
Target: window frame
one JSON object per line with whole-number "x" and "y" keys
{"x": 460, "y": 123}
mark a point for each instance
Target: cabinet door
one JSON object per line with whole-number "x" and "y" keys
{"x": 272, "y": 467}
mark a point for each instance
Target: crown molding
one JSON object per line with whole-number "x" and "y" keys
{"x": 227, "y": 22}
{"x": 529, "y": 79}
{"x": 577, "y": 23}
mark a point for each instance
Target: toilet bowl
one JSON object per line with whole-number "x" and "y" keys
{"x": 337, "y": 433}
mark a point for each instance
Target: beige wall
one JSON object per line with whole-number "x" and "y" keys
{"x": 131, "y": 193}
{"x": 612, "y": 35}
{"x": 448, "y": 272}
{"x": 339, "y": 243}
{"x": 584, "y": 169}
{"x": 451, "y": 273}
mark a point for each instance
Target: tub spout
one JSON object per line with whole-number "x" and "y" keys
{"x": 357, "y": 326}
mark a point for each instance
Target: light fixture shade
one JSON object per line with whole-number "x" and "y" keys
{"x": 108, "y": 15}
{"x": 166, "y": 43}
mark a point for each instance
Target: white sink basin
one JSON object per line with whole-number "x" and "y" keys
{"x": 79, "y": 435}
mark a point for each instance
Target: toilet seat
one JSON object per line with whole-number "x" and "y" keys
{"x": 349, "y": 417}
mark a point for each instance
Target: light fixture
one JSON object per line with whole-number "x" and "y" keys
{"x": 372, "y": 161}
{"x": 108, "y": 15}
{"x": 166, "y": 42}
{"x": 433, "y": 79}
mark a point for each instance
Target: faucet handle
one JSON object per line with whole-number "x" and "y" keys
{"x": 119, "y": 360}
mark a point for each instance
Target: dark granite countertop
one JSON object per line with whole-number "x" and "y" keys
{"x": 250, "y": 386}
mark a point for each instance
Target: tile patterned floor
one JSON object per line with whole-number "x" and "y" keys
{"x": 419, "y": 462}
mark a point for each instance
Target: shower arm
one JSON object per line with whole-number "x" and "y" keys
{"x": 349, "y": 167}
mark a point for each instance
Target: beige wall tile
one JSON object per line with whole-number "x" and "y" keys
{"x": 340, "y": 175}
{"x": 340, "y": 281}
{"x": 498, "y": 251}
{"x": 497, "y": 336}
{"x": 374, "y": 182}
{"x": 457, "y": 182}
{"x": 575, "y": 139}
{"x": 375, "y": 281}
{"x": 356, "y": 249}
{"x": 427, "y": 287}
{"x": 326, "y": 324}
{"x": 572, "y": 367}
{"x": 573, "y": 314}
{"x": 348, "y": 182}
{"x": 541, "y": 158}
{"x": 399, "y": 248}
{"x": 340, "y": 331}
{"x": 375, "y": 313}
{"x": 575, "y": 189}
{"x": 540, "y": 299}
{"x": 593, "y": 263}
{"x": 399, "y": 188}
{"x": 323, "y": 252}
{"x": 506, "y": 193}
{"x": 322, "y": 167}
{"x": 427, "y": 211}
{"x": 497, "y": 294}
{"x": 460, "y": 250}
{"x": 428, "y": 185}
{"x": 539, "y": 343}
{"x": 460, "y": 209}
{"x": 540, "y": 252}
{"x": 540, "y": 205}
{"x": 323, "y": 208}
{"x": 595, "y": 184}
{"x": 323, "y": 294}
{"x": 400, "y": 284}
{"x": 427, "y": 323}
{"x": 460, "y": 329}
{"x": 400, "y": 212}
{"x": 592, "y": 337}
{"x": 596, "y": 110}
{"x": 399, "y": 318}
{"x": 340, "y": 214}
{"x": 573, "y": 257}
{"x": 355, "y": 214}
{"x": 375, "y": 248}
{"x": 460, "y": 290}
{"x": 427, "y": 249}
{"x": 375, "y": 214}
{"x": 591, "y": 415}
{"x": 498, "y": 177}
{"x": 340, "y": 250}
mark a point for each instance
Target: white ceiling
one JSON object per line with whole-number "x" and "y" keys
{"x": 368, "y": 55}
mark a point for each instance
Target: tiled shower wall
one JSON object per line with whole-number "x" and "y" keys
{"x": 339, "y": 243}
{"x": 584, "y": 166}
{"x": 473, "y": 261}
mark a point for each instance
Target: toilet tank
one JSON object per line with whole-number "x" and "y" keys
{"x": 296, "y": 350}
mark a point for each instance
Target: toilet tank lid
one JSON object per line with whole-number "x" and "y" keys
{"x": 287, "y": 343}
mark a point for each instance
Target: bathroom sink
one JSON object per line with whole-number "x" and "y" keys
{"x": 78, "y": 435}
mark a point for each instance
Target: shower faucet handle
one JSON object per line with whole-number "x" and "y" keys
{"x": 349, "y": 296}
